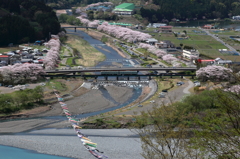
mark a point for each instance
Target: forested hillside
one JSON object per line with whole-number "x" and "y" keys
{"x": 25, "y": 21}
{"x": 189, "y": 9}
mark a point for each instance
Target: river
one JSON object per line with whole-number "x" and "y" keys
{"x": 111, "y": 56}
{"x": 7, "y": 152}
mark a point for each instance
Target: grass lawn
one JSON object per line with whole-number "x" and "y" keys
{"x": 7, "y": 49}
{"x": 90, "y": 55}
{"x": 228, "y": 32}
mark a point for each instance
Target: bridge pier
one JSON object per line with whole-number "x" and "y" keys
{"x": 75, "y": 29}
{"x": 74, "y": 73}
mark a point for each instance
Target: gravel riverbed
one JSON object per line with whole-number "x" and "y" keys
{"x": 116, "y": 143}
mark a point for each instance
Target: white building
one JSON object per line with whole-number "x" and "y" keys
{"x": 151, "y": 41}
{"x": 188, "y": 54}
{"x": 236, "y": 17}
{"x": 156, "y": 25}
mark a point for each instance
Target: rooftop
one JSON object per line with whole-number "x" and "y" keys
{"x": 129, "y": 6}
{"x": 3, "y": 56}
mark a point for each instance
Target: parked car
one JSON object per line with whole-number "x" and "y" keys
{"x": 140, "y": 105}
{"x": 162, "y": 95}
{"x": 152, "y": 101}
{"x": 149, "y": 66}
{"x": 180, "y": 83}
{"x": 198, "y": 84}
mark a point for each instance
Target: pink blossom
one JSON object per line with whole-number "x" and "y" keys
{"x": 214, "y": 72}
{"x": 169, "y": 58}
{"x": 152, "y": 49}
{"x": 123, "y": 33}
{"x": 99, "y": 4}
{"x": 233, "y": 89}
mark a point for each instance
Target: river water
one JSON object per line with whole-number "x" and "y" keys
{"x": 7, "y": 152}
{"x": 112, "y": 56}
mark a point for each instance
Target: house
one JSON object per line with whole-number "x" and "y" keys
{"x": 174, "y": 51}
{"x": 188, "y": 54}
{"x": 3, "y": 63}
{"x": 208, "y": 26}
{"x": 151, "y": 41}
{"x": 26, "y": 60}
{"x": 165, "y": 29}
{"x": 4, "y": 58}
{"x": 124, "y": 9}
{"x": 169, "y": 44}
{"x": 223, "y": 62}
{"x": 236, "y": 17}
{"x": 155, "y": 25}
{"x": 161, "y": 44}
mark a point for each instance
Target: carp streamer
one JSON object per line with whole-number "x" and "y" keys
{"x": 89, "y": 145}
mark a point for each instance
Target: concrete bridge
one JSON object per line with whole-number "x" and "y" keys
{"x": 100, "y": 77}
{"x": 98, "y": 69}
{"x": 75, "y": 27}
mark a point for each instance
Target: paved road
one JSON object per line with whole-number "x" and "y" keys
{"x": 174, "y": 95}
{"x": 216, "y": 38}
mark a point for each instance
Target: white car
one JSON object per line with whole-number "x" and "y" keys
{"x": 197, "y": 84}
{"x": 152, "y": 101}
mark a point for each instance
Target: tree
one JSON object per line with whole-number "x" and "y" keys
{"x": 214, "y": 73}
{"x": 206, "y": 125}
{"x": 166, "y": 137}
{"x": 169, "y": 58}
{"x": 220, "y": 128}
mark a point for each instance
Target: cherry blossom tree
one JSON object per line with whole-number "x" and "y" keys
{"x": 52, "y": 57}
{"x": 152, "y": 49}
{"x": 123, "y": 33}
{"x": 214, "y": 73}
{"x": 99, "y": 4}
{"x": 234, "y": 89}
{"x": 176, "y": 64}
{"x": 93, "y": 23}
{"x": 21, "y": 73}
{"x": 169, "y": 58}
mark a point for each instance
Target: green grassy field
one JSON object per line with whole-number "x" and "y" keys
{"x": 203, "y": 43}
{"x": 7, "y": 49}
{"x": 228, "y": 32}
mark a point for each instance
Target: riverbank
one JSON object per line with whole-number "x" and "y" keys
{"x": 86, "y": 54}
{"x": 85, "y": 101}
{"x": 116, "y": 143}
{"x": 98, "y": 35}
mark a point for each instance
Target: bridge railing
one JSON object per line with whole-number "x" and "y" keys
{"x": 121, "y": 68}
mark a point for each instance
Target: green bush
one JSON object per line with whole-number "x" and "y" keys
{"x": 24, "y": 99}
